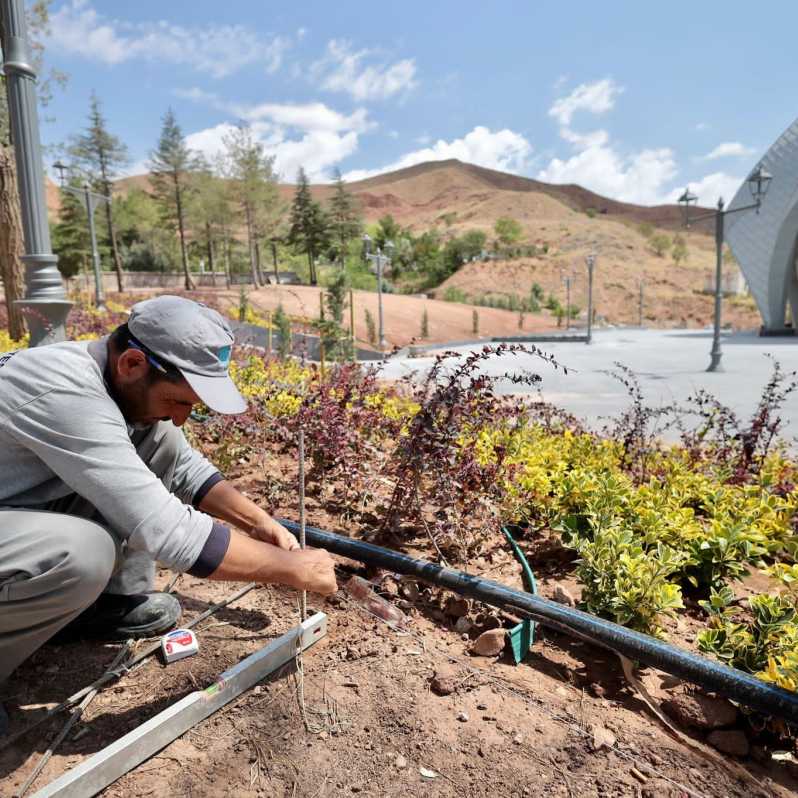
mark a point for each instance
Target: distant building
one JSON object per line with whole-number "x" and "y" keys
{"x": 766, "y": 243}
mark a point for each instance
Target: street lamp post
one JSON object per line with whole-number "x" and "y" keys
{"x": 758, "y": 184}
{"x": 91, "y": 201}
{"x": 381, "y": 261}
{"x": 590, "y": 260}
{"x": 568, "y": 302}
{"x": 45, "y": 305}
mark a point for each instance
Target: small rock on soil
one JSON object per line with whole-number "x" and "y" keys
{"x": 563, "y": 596}
{"x": 489, "y": 643}
{"x": 700, "y": 711}
{"x": 444, "y": 682}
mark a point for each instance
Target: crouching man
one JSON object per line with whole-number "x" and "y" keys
{"x": 98, "y": 482}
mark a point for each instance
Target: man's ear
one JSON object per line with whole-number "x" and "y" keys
{"x": 132, "y": 365}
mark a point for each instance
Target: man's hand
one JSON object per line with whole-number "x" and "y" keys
{"x": 269, "y": 531}
{"x": 313, "y": 570}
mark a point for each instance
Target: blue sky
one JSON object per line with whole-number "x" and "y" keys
{"x": 630, "y": 99}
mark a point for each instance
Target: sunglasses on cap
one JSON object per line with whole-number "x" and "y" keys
{"x": 152, "y": 358}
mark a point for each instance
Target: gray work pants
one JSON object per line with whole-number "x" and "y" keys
{"x": 56, "y": 559}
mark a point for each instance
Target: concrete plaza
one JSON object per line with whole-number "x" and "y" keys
{"x": 670, "y": 365}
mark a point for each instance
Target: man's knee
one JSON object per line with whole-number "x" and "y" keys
{"x": 87, "y": 561}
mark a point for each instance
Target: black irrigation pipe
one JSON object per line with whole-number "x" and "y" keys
{"x": 734, "y": 684}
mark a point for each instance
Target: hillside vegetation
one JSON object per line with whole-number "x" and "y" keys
{"x": 561, "y": 225}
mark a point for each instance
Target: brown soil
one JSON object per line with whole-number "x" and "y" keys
{"x": 447, "y": 321}
{"x": 372, "y": 720}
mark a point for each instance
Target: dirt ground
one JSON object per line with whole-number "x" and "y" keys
{"x": 371, "y": 720}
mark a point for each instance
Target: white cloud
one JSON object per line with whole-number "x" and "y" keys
{"x": 313, "y": 136}
{"x": 343, "y": 70}
{"x": 504, "y": 150}
{"x": 597, "y": 98}
{"x": 308, "y": 116}
{"x": 77, "y": 28}
{"x": 710, "y": 188}
{"x": 729, "y": 149}
{"x": 701, "y": 126}
{"x": 638, "y": 178}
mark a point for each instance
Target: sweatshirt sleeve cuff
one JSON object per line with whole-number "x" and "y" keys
{"x": 212, "y": 552}
{"x": 212, "y": 480}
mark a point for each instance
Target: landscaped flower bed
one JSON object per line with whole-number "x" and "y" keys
{"x": 444, "y": 462}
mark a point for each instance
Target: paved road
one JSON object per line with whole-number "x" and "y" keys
{"x": 669, "y": 363}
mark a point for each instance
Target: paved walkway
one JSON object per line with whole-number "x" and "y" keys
{"x": 670, "y": 365}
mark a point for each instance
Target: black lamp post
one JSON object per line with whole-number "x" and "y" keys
{"x": 45, "y": 305}
{"x": 758, "y": 184}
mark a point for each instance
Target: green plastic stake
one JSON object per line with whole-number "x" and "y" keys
{"x": 523, "y": 634}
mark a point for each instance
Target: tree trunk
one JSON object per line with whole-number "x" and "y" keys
{"x": 184, "y": 254}
{"x": 312, "y": 265}
{"x": 227, "y": 280}
{"x": 258, "y": 263}
{"x": 209, "y": 238}
{"x": 11, "y": 243}
{"x": 252, "y": 260}
{"x": 109, "y": 216}
{"x": 120, "y": 282}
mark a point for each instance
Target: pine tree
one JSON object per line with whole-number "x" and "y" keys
{"x": 71, "y": 240}
{"x": 283, "y": 326}
{"x": 101, "y": 154}
{"x": 308, "y": 231}
{"x": 254, "y": 187}
{"x": 344, "y": 218}
{"x": 170, "y": 165}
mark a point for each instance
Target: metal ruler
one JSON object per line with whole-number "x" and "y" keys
{"x": 106, "y": 766}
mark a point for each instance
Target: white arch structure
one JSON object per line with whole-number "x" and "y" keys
{"x": 765, "y": 243}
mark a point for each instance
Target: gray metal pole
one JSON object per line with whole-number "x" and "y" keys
{"x": 715, "y": 354}
{"x": 568, "y": 302}
{"x": 640, "y": 305}
{"x": 591, "y": 260}
{"x": 99, "y": 297}
{"x": 45, "y": 305}
{"x": 379, "y": 296}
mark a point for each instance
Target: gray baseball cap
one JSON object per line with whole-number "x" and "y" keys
{"x": 196, "y": 340}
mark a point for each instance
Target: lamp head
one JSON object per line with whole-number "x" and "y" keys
{"x": 60, "y": 168}
{"x": 759, "y": 183}
{"x": 686, "y": 200}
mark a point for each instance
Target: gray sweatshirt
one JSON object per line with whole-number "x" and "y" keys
{"x": 61, "y": 433}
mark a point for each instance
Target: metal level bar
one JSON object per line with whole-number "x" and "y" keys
{"x": 106, "y": 766}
